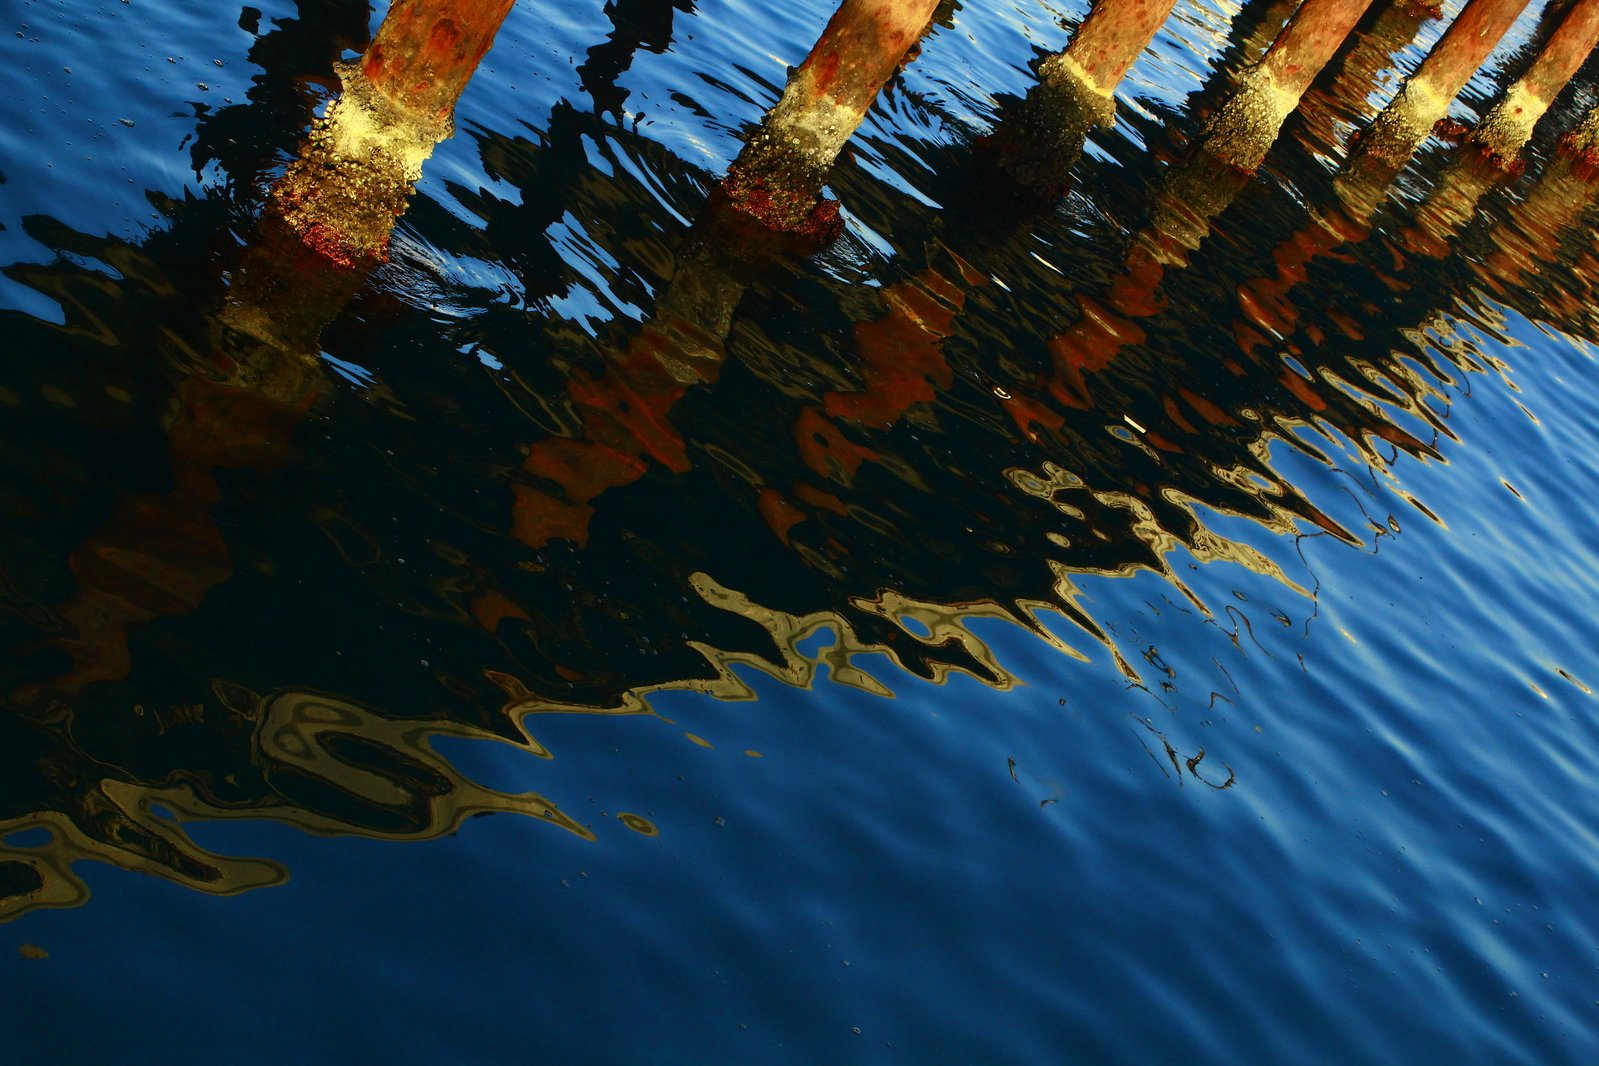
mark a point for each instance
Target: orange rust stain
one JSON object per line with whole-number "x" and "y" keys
{"x": 1207, "y": 410}
{"x": 824, "y": 70}
{"x": 780, "y": 515}
{"x": 1169, "y": 405}
{"x": 336, "y": 247}
{"x": 443, "y": 38}
{"x": 1303, "y": 389}
{"x": 823, "y": 445}
{"x": 492, "y": 607}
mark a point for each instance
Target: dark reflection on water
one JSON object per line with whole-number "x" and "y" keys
{"x": 578, "y": 449}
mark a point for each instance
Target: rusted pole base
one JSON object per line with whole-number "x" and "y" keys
{"x": 1425, "y": 97}
{"x": 357, "y": 170}
{"x": 1581, "y": 146}
{"x": 1248, "y": 123}
{"x": 355, "y": 173}
{"x": 1038, "y": 143}
{"x": 1508, "y": 125}
{"x": 778, "y": 177}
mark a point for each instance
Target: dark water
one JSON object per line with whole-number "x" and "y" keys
{"x": 828, "y": 679}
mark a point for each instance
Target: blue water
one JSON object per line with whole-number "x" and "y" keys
{"x": 914, "y": 853}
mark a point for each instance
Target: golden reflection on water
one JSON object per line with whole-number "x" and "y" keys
{"x": 321, "y": 764}
{"x": 1119, "y": 449}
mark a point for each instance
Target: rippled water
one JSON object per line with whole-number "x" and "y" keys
{"x": 1154, "y": 626}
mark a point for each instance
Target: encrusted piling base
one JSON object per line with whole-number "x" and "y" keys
{"x": 356, "y": 173}
{"x": 1031, "y": 154}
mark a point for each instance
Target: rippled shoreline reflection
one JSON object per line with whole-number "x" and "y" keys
{"x": 593, "y": 444}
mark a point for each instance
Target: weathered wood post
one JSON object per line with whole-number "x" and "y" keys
{"x": 1247, "y": 124}
{"x": 328, "y": 221}
{"x": 1509, "y": 123}
{"x": 778, "y": 176}
{"x": 361, "y": 163}
{"x": 1426, "y": 95}
{"x": 769, "y": 197}
{"x": 1374, "y": 160}
{"x": 1036, "y": 145}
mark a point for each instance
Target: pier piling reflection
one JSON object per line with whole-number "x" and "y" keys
{"x": 802, "y": 446}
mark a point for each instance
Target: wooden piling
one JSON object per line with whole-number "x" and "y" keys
{"x": 1426, "y": 95}
{"x": 1038, "y": 142}
{"x": 1248, "y": 123}
{"x": 357, "y": 170}
{"x": 1509, "y": 123}
{"x": 778, "y": 176}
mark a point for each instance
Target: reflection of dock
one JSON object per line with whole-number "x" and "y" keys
{"x": 1102, "y": 448}
{"x": 769, "y": 201}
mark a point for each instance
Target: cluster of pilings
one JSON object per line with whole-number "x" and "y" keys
{"x": 330, "y": 215}
{"x": 339, "y": 200}
{"x": 329, "y": 218}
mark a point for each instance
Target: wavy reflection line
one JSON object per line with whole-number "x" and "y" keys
{"x": 931, "y": 624}
{"x": 320, "y": 763}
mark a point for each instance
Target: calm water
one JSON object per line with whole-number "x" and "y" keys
{"x": 848, "y": 682}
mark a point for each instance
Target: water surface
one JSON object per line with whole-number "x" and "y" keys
{"x": 873, "y": 690}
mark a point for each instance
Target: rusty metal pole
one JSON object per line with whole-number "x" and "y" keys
{"x": 1038, "y": 143}
{"x": 1326, "y": 109}
{"x": 1502, "y": 133}
{"x": 1247, "y": 124}
{"x": 1508, "y": 125}
{"x": 427, "y": 50}
{"x": 778, "y": 176}
{"x": 361, "y": 163}
{"x": 775, "y": 183}
{"x": 1363, "y": 181}
{"x": 1108, "y": 42}
{"x": 1426, "y": 95}
{"x": 1531, "y": 236}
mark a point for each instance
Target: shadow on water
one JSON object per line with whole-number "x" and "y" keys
{"x": 629, "y": 449}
